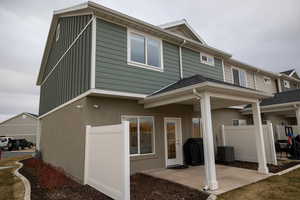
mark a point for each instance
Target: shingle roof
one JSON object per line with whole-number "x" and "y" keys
{"x": 288, "y": 72}
{"x": 196, "y": 79}
{"x": 282, "y": 97}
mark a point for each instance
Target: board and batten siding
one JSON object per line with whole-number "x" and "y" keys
{"x": 113, "y": 72}
{"x": 70, "y": 27}
{"x": 191, "y": 65}
{"x": 71, "y": 77}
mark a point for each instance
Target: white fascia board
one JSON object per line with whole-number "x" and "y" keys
{"x": 294, "y": 104}
{"x": 99, "y": 92}
{"x": 292, "y": 73}
{"x": 256, "y": 69}
{"x": 71, "y": 9}
{"x": 290, "y": 78}
{"x": 118, "y": 94}
{"x": 182, "y": 22}
{"x": 207, "y": 85}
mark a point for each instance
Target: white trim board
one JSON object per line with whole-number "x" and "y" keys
{"x": 100, "y": 93}
{"x": 93, "y": 52}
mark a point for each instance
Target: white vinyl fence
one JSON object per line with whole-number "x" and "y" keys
{"x": 280, "y": 132}
{"x": 107, "y": 160}
{"x": 242, "y": 138}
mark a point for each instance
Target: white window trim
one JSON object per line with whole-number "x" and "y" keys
{"x": 138, "y": 124}
{"x": 240, "y": 70}
{"x": 269, "y": 80}
{"x": 57, "y": 32}
{"x": 208, "y": 56}
{"x": 142, "y": 65}
{"x": 286, "y": 82}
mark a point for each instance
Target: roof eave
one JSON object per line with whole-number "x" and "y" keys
{"x": 207, "y": 84}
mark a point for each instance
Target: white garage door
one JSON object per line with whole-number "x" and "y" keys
{"x": 107, "y": 160}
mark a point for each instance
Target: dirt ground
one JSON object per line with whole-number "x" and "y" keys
{"x": 282, "y": 165}
{"x": 285, "y": 187}
{"x": 143, "y": 187}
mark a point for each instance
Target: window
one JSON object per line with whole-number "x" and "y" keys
{"x": 141, "y": 130}
{"x": 239, "y": 77}
{"x": 239, "y": 122}
{"x": 286, "y": 84}
{"x": 267, "y": 80}
{"x": 196, "y": 129}
{"x": 24, "y": 116}
{"x": 144, "y": 51}
{"x": 57, "y": 32}
{"x": 207, "y": 59}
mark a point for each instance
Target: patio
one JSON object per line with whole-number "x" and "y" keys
{"x": 229, "y": 178}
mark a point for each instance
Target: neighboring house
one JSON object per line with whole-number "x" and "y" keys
{"x": 101, "y": 67}
{"x": 22, "y": 126}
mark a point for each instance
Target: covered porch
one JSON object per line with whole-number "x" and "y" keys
{"x": 282, "y": 110}
{"x": 206, "y": 95}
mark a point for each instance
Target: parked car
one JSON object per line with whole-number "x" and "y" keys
{"x": 4, "y": 142}
{"x": 19, "y": 144}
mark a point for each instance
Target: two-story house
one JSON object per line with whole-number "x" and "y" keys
{"x": 101, "y": 67}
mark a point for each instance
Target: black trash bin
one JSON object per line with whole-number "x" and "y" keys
{"x": 193, "y": 151}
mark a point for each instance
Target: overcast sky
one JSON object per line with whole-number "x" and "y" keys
{"x": 264, "y": 33}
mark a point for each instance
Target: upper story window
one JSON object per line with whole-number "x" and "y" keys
{"x": 267, "y": 80}
{"x": 286, "y": 84}
{"x": 239, "y": 77}
{"x": 144, "y": 51}
{"x": 207, "y": 59}
{"x": 57, "y": 32}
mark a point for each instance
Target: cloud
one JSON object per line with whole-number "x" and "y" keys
{"x": 261, "y": 33}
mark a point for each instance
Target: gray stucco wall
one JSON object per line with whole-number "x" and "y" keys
{"x": 71, "y": 77}
{"x": 20, "y": 128}
{"x": 113, "y": 72}
{"x": 110, "y": 112}
{"x": 63, "y": 139}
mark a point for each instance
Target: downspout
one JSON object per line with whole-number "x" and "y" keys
{"x": 279, "y": 85}
{"x": 180, "y": 59}
{"x": 255, "y": 80}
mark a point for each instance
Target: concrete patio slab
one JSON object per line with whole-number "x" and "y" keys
{"x": 229, "y": 178}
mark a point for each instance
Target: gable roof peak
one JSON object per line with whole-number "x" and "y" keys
{"x": 183, "y": 22}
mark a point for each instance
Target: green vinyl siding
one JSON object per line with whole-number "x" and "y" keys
{"x": 191, "y": 65}
{"x": 113, "y": 72}
{"x": 70, "y": 27}
{"x": 71, "y": 77}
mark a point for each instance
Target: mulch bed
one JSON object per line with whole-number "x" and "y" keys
{"x": 144, "y": 187}
{"x": 70, "y": 191}
{"x": 254, "y": 166}
{"x": 56, "y": 186}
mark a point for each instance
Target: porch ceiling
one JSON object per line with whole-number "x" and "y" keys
{"x": 222, "y": 96}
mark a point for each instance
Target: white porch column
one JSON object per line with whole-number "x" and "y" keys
{"x": 298, "y": 115}
{"x": 208, "y": 143}
{"x": 260, "y": 145}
